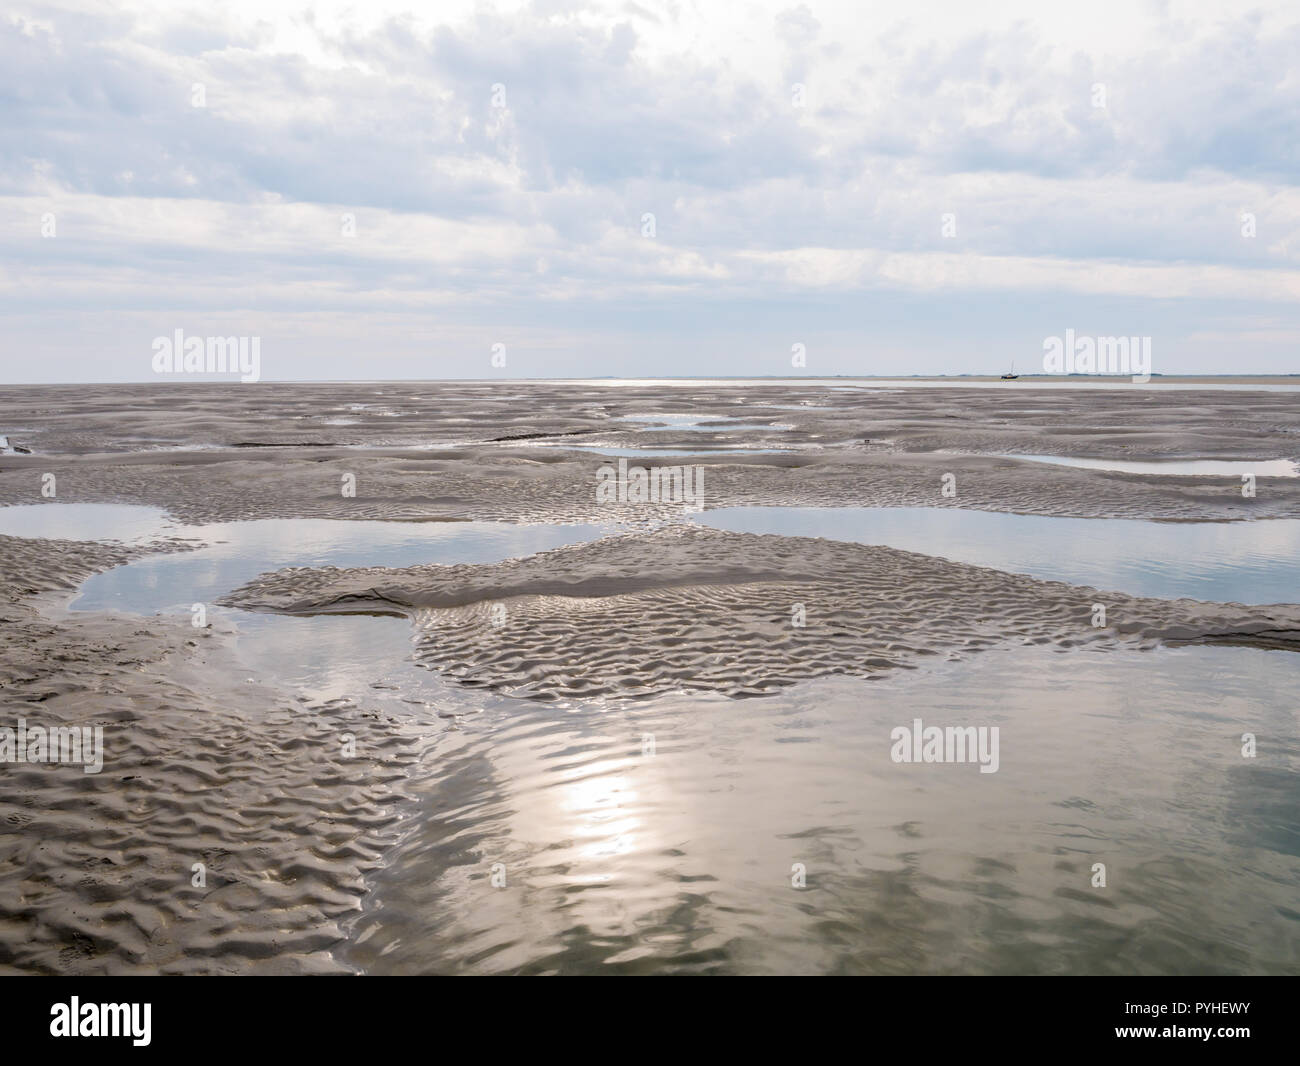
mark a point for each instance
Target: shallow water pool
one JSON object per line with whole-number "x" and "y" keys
{"x": 128, "y": 523}
{"x": 1184, "y": 467}
{"x": 1241, "y": 562}
{"x": 239, "y": 551}
{"x": 661, "y": 836}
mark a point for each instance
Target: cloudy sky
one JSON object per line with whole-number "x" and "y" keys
{"x": 647, "y": 188}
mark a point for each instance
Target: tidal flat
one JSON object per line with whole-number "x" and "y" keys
{"x": 387, "y": 686}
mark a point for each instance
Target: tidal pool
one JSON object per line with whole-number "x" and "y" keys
{"x": 651, "y": 453}
{"x": 1236, "y": 562}
{"x": 238, "y": 551}
{"x": 326, "y": 657}
{"x": 1184, "y": 467}
{"x": 127, "y": 523}
{"x": 695, "y": 834}
{"x": 696, "y": 423}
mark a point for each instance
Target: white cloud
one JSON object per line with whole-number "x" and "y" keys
{"x": 683, "y": 111}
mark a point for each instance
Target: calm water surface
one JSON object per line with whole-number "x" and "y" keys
{"x": 696, "y": 423}
{"x": 1185, "y": 467}
{"x": 662, "y": 836}
{"x": 619, "y": 860}
{"x": 1242, "y": 562}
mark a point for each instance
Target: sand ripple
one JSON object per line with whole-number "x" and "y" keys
{"x": 200, "y": 766}
{"x": 690, "y": 609}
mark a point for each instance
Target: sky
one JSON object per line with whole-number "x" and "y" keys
{"x": 551, "y": 189}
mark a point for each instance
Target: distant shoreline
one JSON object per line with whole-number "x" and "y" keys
{"x": 810, "y": 380}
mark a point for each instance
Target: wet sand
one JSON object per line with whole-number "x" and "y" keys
{"x": 201, "y": 765}
{"x": 205, "y": 765}
{"x": 686, "y": 609}
{"x": 452, "y": 450}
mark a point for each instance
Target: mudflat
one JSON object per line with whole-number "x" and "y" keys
{"x": 231, "y": 830}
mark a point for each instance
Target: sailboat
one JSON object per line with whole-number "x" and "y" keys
{"x": 1011, "y": 374}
